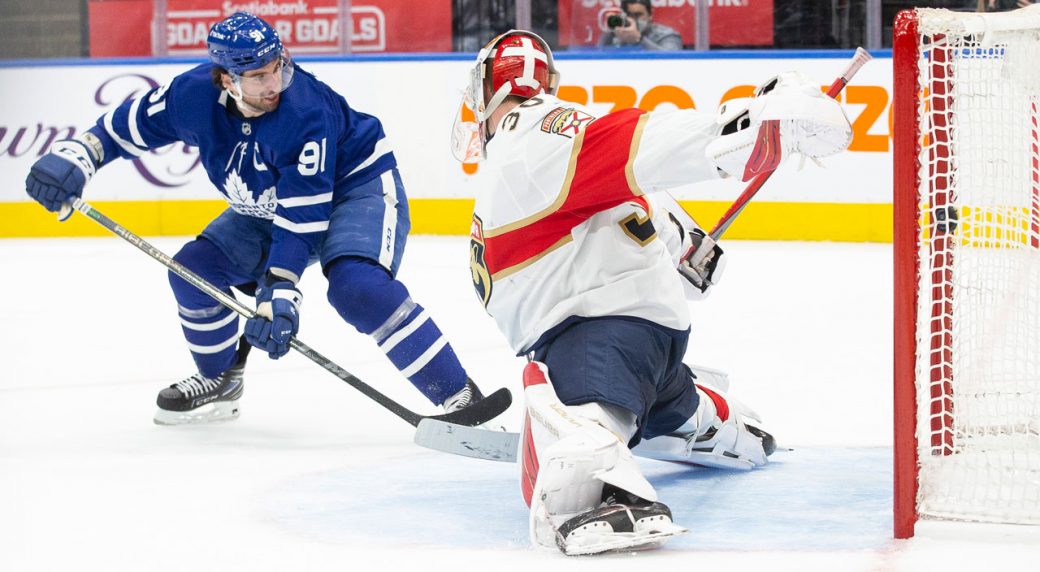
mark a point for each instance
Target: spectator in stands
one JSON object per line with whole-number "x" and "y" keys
{"x": 637, "y": 28}
{"x": 1004, "y": 5}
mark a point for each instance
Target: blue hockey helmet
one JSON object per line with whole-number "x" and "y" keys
{"x": 243, "y": 42}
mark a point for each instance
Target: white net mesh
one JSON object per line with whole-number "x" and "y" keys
{"x": 978, "y": 333}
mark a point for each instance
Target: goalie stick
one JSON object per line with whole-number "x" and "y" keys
{"x": 766, "y": 158}
{"x": 480, "y": 412}
{"x": 489, "y": 445}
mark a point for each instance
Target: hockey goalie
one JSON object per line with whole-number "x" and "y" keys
{"x": 586, "y": 264}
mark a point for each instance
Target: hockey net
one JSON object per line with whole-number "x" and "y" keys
{"x": 967, "y": 275}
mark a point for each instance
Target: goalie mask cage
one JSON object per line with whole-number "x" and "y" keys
{"x": 967, "y": 267}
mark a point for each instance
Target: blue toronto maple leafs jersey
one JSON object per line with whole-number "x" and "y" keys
{"x": 290, "y": 165}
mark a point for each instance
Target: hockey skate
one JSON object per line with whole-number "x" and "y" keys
{"x": 723, "y": 433}
{"x": 623, "y": 521}
{"x": 469, "y": 394}
{"x": 199, "y": 399}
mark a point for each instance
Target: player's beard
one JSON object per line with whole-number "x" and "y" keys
{"x": 262, "y": 103}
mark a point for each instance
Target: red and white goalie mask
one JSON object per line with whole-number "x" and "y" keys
{"x": 515, "y": 63}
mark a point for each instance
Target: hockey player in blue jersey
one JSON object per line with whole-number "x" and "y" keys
{"x": 307, "y": 179}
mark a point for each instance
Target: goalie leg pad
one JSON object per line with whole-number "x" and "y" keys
{"x": 723, "y": 433}
{"x": 569, "y": 454}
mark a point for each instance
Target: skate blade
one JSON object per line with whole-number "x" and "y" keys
{"x": 215, "y": 412}
{"x": 597, "y": 540}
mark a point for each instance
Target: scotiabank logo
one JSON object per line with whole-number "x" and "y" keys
{"x": 369, "y": 34}
{"x": 304, "y": 28}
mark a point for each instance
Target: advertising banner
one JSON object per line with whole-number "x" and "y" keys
{"x": 123, "y": 28}
{"x": 64, "y": 100}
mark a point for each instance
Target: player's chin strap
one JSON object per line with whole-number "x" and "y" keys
{"x": 236, "y": 96}
{"x": 241, "y": 102}
{"x": 479, "y": 412}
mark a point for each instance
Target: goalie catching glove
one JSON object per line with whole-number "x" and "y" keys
{"x": 809, "y": 123}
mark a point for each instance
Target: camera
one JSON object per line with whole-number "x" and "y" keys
{"x": 617, "y": 21}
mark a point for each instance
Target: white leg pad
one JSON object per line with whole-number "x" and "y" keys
{"x": 720, "y": 456}
{"x": 576, "y": 455}
{"x": 707, "y": 440}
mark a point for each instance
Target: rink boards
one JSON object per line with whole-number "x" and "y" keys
{"x": 166, "y": 192}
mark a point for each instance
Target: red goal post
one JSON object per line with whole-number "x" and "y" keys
{"x": 966, "y": 267}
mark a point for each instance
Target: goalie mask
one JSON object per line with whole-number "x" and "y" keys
{"x": 516, "y": 63}
{"x": 242, "y": 43}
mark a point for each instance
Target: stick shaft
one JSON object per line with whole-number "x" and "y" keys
{"x": 230, "y": 302}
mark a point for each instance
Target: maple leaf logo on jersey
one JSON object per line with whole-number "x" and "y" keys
{"x": 477, "y": 267}
{"x": 566, "y": 122}
{"x": 241, "y": 199}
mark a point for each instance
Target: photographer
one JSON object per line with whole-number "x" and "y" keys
{"x": 635, "y": 27}
{"x": 1002, "y": 5}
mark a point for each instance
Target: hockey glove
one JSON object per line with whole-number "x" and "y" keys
{"x": 702, "y": 264}
{"x": 277, "y": 317}
{"x": 803, "y": 120}
{"x": 59, "y": 176}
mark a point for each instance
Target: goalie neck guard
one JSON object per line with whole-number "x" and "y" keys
{"x": 516, "y": 63}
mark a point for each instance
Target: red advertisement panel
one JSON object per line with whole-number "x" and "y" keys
{"x": 305, "y": 26}
{"x": 120, "y": 28}
{"x": 731, "y": 22}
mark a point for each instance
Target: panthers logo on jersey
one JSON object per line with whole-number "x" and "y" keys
{"x": 565, "y": 122}
{"x": 477, "y": 265}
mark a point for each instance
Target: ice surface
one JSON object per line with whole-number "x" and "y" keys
{"x": 315, "y": 476}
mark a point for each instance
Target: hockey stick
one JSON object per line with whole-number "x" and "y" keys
{"x": 473, "y": 442}
{"x": 769, "y": 133}
{"x": 480, "y": 412}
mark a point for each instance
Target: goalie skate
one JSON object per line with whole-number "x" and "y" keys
{"x": 199, "y": 399}
{"x": 624, "y": 522}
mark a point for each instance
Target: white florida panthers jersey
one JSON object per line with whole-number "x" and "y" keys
{"x": 565, "y": 226}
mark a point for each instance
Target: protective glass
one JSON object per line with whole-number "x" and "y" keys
{"x": 268, "y": 83}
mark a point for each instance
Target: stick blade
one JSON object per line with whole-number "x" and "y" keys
{"x": 480, "y": 412}
{"x": 467, "y": 441}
